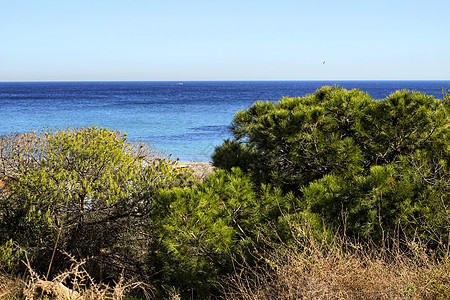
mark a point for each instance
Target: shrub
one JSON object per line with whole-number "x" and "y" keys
{"x": 199, "y": 229}
{"x": 364, "y": 165}
{"x": 232, "y": 154}
{"x": 88, "y": 191}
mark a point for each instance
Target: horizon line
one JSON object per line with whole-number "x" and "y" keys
{"x": 223, "y": 80}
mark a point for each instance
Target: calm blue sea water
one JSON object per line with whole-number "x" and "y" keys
{"x": 187, "y": 120}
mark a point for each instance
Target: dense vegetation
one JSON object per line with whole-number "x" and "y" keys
{"x": 365, "y": 166}
{"x": 334, "y": 176}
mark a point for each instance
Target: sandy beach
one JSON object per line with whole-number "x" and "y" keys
{"x": 201, "y": 169}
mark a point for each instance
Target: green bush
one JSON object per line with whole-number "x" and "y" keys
{"x": 232, "y": 154}
{"x": 201, "y": 229}
{"x": 365, "y": 166}
{"x": 90, "y": 188}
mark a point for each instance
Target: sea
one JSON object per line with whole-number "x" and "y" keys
{"x": 186, "y": 120}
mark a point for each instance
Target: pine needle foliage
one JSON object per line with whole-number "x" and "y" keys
{"x": 367, "y": 167}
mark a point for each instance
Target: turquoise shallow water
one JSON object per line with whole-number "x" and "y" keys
{"x": 185, "y": 119}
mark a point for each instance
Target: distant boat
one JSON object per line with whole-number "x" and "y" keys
{"x": 180, "y": 83}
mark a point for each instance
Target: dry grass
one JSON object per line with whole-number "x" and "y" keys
{"x": 10, "y": 288}
{"x": 341, "y": 270}
{"x": 82, "y": 286}
{"x": 307, "y": 269}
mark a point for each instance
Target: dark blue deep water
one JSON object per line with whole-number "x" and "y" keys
{"x": 184, "y": 119}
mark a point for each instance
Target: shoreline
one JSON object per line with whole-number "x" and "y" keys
{"x": 200, "y": 169}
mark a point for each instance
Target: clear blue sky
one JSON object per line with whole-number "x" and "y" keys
{"x": 224, "y": 40}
